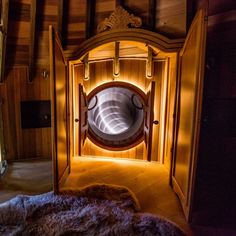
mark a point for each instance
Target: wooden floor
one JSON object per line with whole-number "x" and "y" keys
{"x": 149, "y": 182}
{"x": 26, "y": 177}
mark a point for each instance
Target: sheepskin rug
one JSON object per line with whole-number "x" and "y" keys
{"x": 94, "y": 210}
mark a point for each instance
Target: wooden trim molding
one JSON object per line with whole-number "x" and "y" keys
{"x": 3, "y": 36}
{"x": 137, "y": 35}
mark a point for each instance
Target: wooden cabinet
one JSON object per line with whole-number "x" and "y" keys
{"x": 180, "y": 96}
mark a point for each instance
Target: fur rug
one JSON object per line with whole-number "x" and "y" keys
{"x": 94, "y": 210}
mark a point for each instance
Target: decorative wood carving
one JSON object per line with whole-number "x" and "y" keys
{"x": 119, "y": 19}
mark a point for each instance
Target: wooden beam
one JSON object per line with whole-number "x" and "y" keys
{"x": 60, "y": 18}
{"x": 32, "y": 39}
{"x": 152, "y": 15}
{"x": 90, "y": 18}
{"x": 3, "y": 36}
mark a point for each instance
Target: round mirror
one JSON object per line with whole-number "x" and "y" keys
{"x": 115, "y": 117}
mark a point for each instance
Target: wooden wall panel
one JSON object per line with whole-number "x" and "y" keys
{"x": 23, "y": 143}
{"x": 171, "y": 18}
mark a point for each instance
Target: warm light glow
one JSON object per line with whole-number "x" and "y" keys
{"x": 125, "y": 161}
{"x": 125, "y": 154}
{"x": 163, "y": 113}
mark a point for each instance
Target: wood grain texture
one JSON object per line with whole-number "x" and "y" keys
{"x": 190, "y": 89}
{"x": 23, "y": 143}
{"x": 59, "y": 110}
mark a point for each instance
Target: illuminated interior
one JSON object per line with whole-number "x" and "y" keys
{"x": 115, "y": 117}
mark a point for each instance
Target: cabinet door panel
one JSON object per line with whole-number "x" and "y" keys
{"x": 190, "y": 87}
{"x": 59, "y": 110}
{"x": 148, "y": 122}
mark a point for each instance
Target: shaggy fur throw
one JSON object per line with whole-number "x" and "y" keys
{"x": 94, "y": 210}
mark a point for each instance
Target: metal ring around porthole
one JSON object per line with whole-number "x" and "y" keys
{"x": 116, "y": 116}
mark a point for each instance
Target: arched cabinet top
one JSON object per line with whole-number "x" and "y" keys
{"x": 149, "y": 38}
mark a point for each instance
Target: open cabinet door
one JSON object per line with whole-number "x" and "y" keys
{"x": 59, "y": 110}
{"x": 189, "y": 104}
{"x": 83, "y": 118}
{"x": 148, "y": 122}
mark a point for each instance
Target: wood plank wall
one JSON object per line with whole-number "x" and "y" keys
{"x": 34, "y": 143}
{"x": 74, "y": 23}
{"x": 23, "y": 143}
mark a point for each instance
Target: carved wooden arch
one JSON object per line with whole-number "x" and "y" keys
{"x": 137, "y": 35}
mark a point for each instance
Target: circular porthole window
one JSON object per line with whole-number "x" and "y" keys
{"x": 116, "y": 116}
